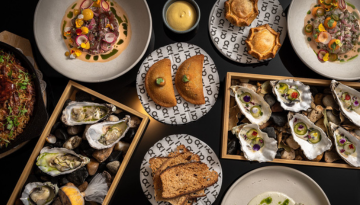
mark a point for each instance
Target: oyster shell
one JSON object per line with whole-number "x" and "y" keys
{"x": 59, "y": 161}
{"x": 252, "y": 105}
{"x": 311, "y": 138}
{"x": 348, "y": 100}
{"x": 256, "y": 145}
{"x": 38, "y": 193}
{"x": 347, "y": 145}
{"x": 106, "y": 134}
{"x": 79, "y": 113}
{"x": 292, "y": 95}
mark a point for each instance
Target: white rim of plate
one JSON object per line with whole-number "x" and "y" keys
{"x": 304, "y": 61}
{"x": 107, "y": 79}
{"x": 282, "y": 38}
{"x": 201, "y": 147}
{"x": 173, "y": 115}
{"x": 272, "y": 167}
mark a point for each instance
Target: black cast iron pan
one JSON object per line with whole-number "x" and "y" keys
{"x": 39, "y": 116}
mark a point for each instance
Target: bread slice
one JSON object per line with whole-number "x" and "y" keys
{"x": 180, "y": 159}
{"x": 197, "y": 194}
{"x": 186, "y": 178}
{"x": 179, "y": 150}
{"x": 156, "y": 162}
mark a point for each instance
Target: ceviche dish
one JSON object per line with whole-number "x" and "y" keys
{"x": 332, "y": 30}
{"x": 95, "y": 30}
{"x": 17, "y": 98}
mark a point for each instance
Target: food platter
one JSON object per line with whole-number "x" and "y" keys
{"x": 292, "y": 182}
{"x": 230, "y": 39}
{"x": 70, "y": 94}
{"x": 348, "y": 70}
{"x": 169, "y": 144}
{"x": 49, "y": 38}
{"x": 38, "y": 120}
{"x": 227, "y": 135}
{"x": 184, "y": 112}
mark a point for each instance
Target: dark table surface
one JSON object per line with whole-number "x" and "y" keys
{"x": 340, "y": 185}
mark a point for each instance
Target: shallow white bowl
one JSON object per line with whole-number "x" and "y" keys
{"x": 291, "y": 182}
{"x": 47, "y": 23}
{"x": 340, "y": 71}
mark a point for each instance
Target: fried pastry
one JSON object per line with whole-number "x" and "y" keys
{"x": 263, "y": 42}
{"x": 188, "y": 80}
{"x": 158, "y": 84}
{"x": 241, "y": 12}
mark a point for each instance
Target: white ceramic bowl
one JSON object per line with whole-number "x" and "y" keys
{"x": 340, "y": 71}
{"x": 47, "y": 23}
{"x": 289, "y": 181}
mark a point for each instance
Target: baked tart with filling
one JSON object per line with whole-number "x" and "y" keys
{"x": 158, "y": 84}
{"x": 263, "y": 42}
{"x": 241, "y": 12}
{"x": 188, "y": 80}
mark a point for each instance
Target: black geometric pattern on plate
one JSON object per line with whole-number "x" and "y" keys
{"x": 168, "y": 144}
{"x": 230, "y": 39}
{"x": 184, "y": 112}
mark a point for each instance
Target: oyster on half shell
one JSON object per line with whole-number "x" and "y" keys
{"x": 252, "y": 105}
{"x": 79, "y": 113}
{"x": 59, "y": 161}
{"x": 107, "y": 134}
{"x": 256, "y": 145}
{"x": 348, "y": 99}
{"x": 38, "y": 193}
{"x": 347, "y": 145}
{"x": 292, "y": 95}
{"x": 311, "y": 138}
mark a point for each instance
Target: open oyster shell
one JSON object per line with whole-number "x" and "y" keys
{"x": 107, "y": 134}
{"x": 343, "y": 139}
{"x": 252, "y": 105}
{"x": 254, "y": 149}
{"x": 38, "y": 193}
{"x": 349, "y": 107}
{"x": 313, "y": 140}
{"x": 79, "y": 113}
{"x": 302, "y": 101}
{"x": 59, "y": 161}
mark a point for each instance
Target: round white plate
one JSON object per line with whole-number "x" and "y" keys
{"x": 291, "y": 182}
{"x": 340, "y": 71}
{"x": 47, "y": 20}
{"x": 184, "y": 112}
{"x": 230, "y": 39}
{"x": 168, "y": 144}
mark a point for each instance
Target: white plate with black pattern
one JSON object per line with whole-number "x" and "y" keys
{"x": 230, "y": 39}
{"x": 184, "y": 112}
{"x": 168, "y": 144}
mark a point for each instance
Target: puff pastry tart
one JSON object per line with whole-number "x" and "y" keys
{"x": 241, "y": 12}
{"x": 158, "y": 84}
{"x": 263, "y": 42}
{"x": 188, "y": 80}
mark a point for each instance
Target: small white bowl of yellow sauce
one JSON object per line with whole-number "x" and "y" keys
{"x": 181, "y": 16}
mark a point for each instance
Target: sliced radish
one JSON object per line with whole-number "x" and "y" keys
{"x": 321, "y": 54}
{"x": 105, "y": 5}
{"x": 342, "y": 4}
{"x": 81, "y": 39}
{"x": 110, "y": 38}
{"x": 324, "y": 37}
{"x": 86, "y": 4}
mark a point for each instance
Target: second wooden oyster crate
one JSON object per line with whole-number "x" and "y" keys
{"x": 262, "y": 78}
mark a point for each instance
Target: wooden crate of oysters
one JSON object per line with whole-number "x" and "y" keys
{"x": 291, "y": 120}
{"x": 82, "y": 152}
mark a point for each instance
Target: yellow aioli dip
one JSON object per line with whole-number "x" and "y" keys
{"x": 181, "y": 15}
